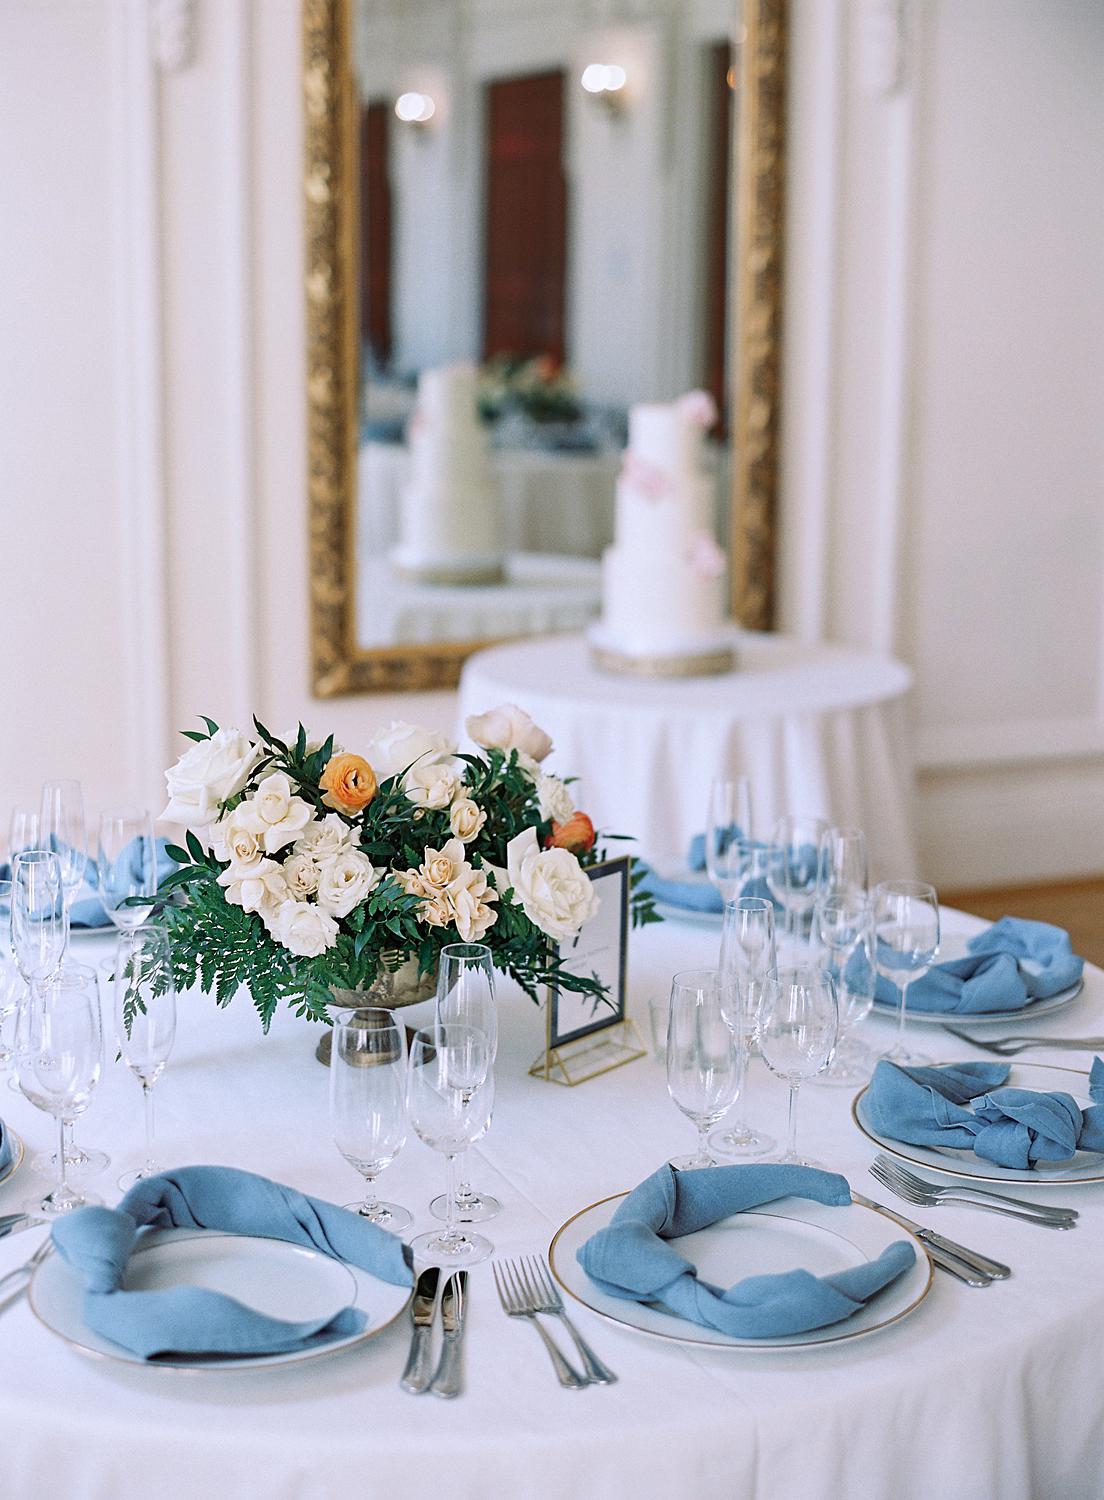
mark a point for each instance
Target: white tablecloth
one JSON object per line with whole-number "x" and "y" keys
{"x": 818, "y": 729}
{"x": 977, "y": 1395}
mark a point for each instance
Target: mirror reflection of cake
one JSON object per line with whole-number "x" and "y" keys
{"x": 664, "y": 580}
{"x": 450, "y": 511}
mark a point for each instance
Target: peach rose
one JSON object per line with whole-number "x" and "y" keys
{"x": 348, "y": 782}
{"x": 576, "y": 835}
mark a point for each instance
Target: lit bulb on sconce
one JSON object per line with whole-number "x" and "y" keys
{"x": 605, "y": 83}
{"x": 415, "y": 109}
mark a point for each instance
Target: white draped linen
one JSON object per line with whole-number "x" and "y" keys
{"x": 819, "y": 730}
{"x": 976, "y": 1395}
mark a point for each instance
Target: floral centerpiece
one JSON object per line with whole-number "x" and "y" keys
{"x": 309, "y": 870}
{"x": 539, "y": 388}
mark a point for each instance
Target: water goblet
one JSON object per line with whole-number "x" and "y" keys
{"x": 794, "y": 872}
{"x": 39, "y": 921}
{"x": 145, "y": 1021}
{"x": 747, "y": 955}
{"x": 845, "y": 926}
{"x": 368, "y": 1103}
{"x": 843, "y": 869}
{"x": 126, "y": 864}
{"x": 466, "y": 997}
{"x": 449, "y": 1104}
{"x": 58, "y": 1057}
{"x": 61, "y": 828}
{"x": 728, "y": 826}
{"x": 705, "y": 1058}
{"x": 79, "y": 1160}
{"x": 797, "y": 1036}
{"x": 906, "y": 934}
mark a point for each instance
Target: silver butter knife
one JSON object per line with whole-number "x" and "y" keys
{"x": 448, "y": 1378}
{"x": 415, "y": 1378}
{"x": 980, "y": 1265}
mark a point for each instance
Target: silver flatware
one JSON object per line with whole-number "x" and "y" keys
{"x": 1010, "y": 1046}
{"x": 448, "y": 1378}
{"x": 16, "y": 1281}
{"x": 517, "y": 1303}
{"x": 416, "y": 1376}
{"x": 919, "y": 1190}
{"x": 544, "y": 1288}
{"x": 968, "y": 1265}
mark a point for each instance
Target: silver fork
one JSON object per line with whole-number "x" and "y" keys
{"x": 539, "y": 1282}
{"x": 16, "y": 1281}
{"x": 918, "y": 1190}
{"x": 516, "y": 1303}
{"x": 1010, "y": 1046}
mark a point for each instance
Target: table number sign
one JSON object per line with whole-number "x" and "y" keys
{"x": 585, "y": 1035}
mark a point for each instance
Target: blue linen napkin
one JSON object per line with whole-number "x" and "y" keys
{"x": 5, "y": 1147}
{"x": 699, "y": 895}
{"x": 87, "y": 910}
{"x": 98, "y": 1243}
{"x": 1017, "y": 1128}
{"x": 632, "y": 1257}
{"x": 991, "y": 977}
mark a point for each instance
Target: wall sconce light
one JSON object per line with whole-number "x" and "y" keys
{"x": 605, "y": 83}
{"x": 415, "y": 109}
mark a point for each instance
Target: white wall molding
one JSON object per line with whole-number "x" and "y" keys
{"x": 174, "y": 33}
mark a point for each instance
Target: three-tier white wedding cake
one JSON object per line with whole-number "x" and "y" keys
{"x": 663, "y": 580}
{"x": 450, "y": 511}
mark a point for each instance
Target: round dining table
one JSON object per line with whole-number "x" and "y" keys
{"x": 977, "y": 1394}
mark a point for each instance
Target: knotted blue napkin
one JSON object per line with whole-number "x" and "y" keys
{"x": 87, "y": 909}
{"x": 5, "y": 1147}
{"x": 633, "y": 1257}
{"x": 700, "y": 895}
{"x": 1017, "y": 1128}
{"x": 98, "y": 1243}
{"x": 991, "y": 977}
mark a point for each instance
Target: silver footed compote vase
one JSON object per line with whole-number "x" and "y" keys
{"x": 391, "y": 989}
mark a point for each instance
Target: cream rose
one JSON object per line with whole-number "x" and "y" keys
{"x": 206, "y": 775}
{"x": 410, "y": 881}
{"x": 470, "y": 898}
{"x": 509, "y": 728}
{"x": 259, "y": 886}
{"x": 320, "y": 841}
{"x": 346, "y": 880}
{"x": 303, "y": 929}
{"x": 431, "y": 786}
{"x": 440, "y": 867}
{"x": 402, "y": 745}
{"x": 550, "y": 886}
{"x": 437, "y": 910}
{"x": 232, "y": 840}
{"x": 466, "y": 820}
{"x": 554, "y": 799}
{"x": 301, "y": 874}
{"x": 275, "y": 814}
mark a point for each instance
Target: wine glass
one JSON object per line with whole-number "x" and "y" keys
{"x": 906, "y": 932}
{"x": 145, "y": 1020}
{"x": 727, "y": 827}
{"x": 798, "y": 1027}
{"x": 126, "y": 862}
{"x": 449, "y": 1104}
{"x": 466, "y": 997}
{"x": 845, "y": 926}
{"x": 843, "y": 863}
{"x": 23, "y": 832}
{"x": 793, "y": 872}
{"x": 58, "y": 1057}
{"x": 705, "y": 1059}
{"x": 747, "y": 956}
{"x": 61, "y": 828}
{"x": 368, "y": 1102}
{"x": 39, "y": 921}
{"x": 12, "y": 987}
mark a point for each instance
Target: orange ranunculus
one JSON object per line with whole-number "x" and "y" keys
{"x": 576, "y": 835}
{"x": 348, "y": 782}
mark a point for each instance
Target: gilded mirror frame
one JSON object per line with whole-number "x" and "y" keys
{"x": 339, "y": 664}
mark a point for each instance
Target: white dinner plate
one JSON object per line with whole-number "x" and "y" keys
{"x": 783, "y": 1236}
{"x": 954, "y": 947}
{"x": 1086, "y": 1166}
{"x": 686, "y": 914}
{"x": 17, "y": 1153}
{"x": 286, "y": 1281}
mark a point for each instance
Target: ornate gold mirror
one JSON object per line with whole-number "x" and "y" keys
{"x": 522, "y": 217}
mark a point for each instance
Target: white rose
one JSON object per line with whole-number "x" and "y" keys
{"x": 440, "y": 867}
{"x": 303, "y": 929}
{"x": 555, "y": 799}
{"x": 403, "y": 745}
{"x": 321, "y": 841}
{"x": 470, "y": 898}
{"x": 274, "y": 813}
{"x": 207, "y": 774}
{"x": 509, "y": 728}
{"x": 550, "y": 885}
{"x": 346, "y": 880}
{"x": 258, "y": 886}
{"x": 466, "y": 820}
{"x": 431, "y": 786}
{"x": 437, "y": 910}
{"x": 232, "y": 840}
{"x": 301, "y": 874}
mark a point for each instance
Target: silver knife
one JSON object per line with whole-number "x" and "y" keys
{"x": 415, "y": 1377}
{"x": 992, "y": 1270}
{"x": 448, "y": 1378}
{"x": 16, "y": 1223}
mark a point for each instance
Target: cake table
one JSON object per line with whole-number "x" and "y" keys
{"x": 818, "y": 729}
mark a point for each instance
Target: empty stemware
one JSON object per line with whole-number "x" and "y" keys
{"x": 727, "y": 827}
{"x": 368, "y": 1103}
{"x": 798, "y": 1027}
{"x": 466, "y": 997}
{"x": 145, "y": 1020}
{"x": 705, "y": 1057}
{"x": 748, "y": 956}
{"x": 61, "y": 828}
{"x": 12, "y": 986}
{"x": 126, "y": 864}
{"x": 906, "y": 933}
{"x": 843, "y": 869}
{"x": 845, "y": 926}
{"x": 39, "y": 922}
{"x": 793, "y": 874}
{"x": 23, "y": 832}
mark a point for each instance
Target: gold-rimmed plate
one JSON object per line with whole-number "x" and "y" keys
{"x": 955, "y": 946}
{"x": 18, "y": 1151}
{"x": 783, "y": 1236}
{"x": 1086, "y": 1166}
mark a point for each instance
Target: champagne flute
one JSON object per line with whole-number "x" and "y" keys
{"x": 126, "y": 862}
{"x": 747, "y": 956}
{"x": 61, "y": 828}
{"x": 727, "y": 827}
{"x": 705, "y": 1059}
{"x": 58, "y": 1057}
{"x": 145, "y": 1020}
{"x": 843, "y": 870}
{"x": 799, "y": 1024}
{"x": 12, "y": 987}
{"x": 368, "y": 1103}
{"x": 466, "y": 997}
{"x": 39, "y": 922}
{"x": 845, "y": 926}
{"x": 906, "y": 931}
{"x": 23, "y": 832}
{"x": 449, "y": 1103}
{"x": 794, "y": 871}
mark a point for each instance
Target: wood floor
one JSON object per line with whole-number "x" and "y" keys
{"x": 1076, "y": 905}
